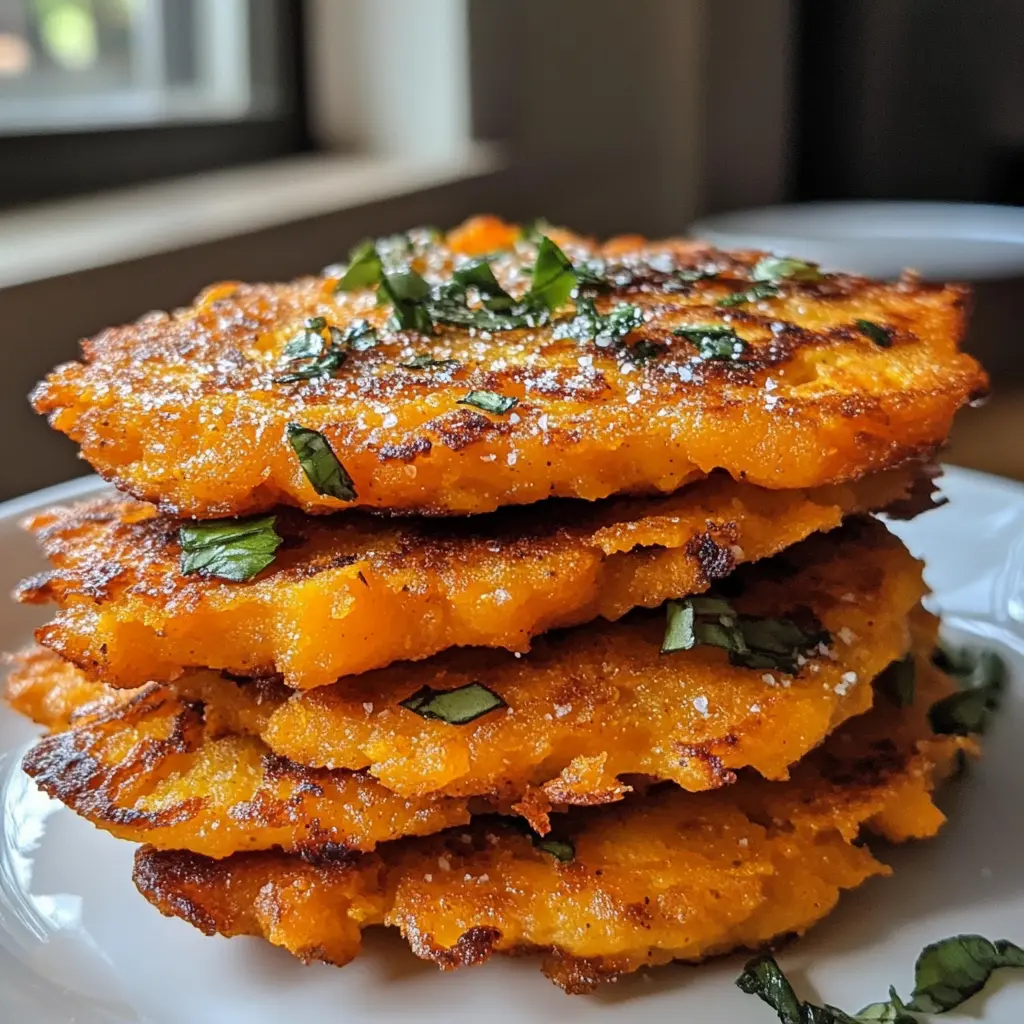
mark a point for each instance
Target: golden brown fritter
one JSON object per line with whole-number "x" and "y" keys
{"x": 147, "y": 770}
{"x": 829, "y": 379}
{"x": 591, "y": 708}
{"x": 128, "y": 616}
{"x": 667, "y": 876}
{"x": 600, "y": 703}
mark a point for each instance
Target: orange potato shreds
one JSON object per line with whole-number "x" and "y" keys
{"x": 667, "y": 876}
{"x": 351, "y": 593}
{"x": 599, "y": 703}
{"x": 188, "y": 410}
{"x": 147, "y": 771}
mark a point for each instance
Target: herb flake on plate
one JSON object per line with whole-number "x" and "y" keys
{"x": 231, "y": 549}
{"x": 460, "y": 706}
{"x": 981, "y": 675}
{"x": 323, "y": 470}
{"x": 946, "y": 975}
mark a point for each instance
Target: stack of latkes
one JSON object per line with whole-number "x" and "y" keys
{"x": 515, "y": 591}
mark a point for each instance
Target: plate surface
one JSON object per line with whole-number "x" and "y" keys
{"x": 78, "y": 944}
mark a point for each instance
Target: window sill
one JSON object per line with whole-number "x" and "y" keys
{"x": 65, "y": 237}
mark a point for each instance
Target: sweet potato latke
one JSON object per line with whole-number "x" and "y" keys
{"x": 667, "y": 876}
{"x": 128, "y": 616}
{"x": 584, "y": 709}
{"x": 148, "y": 770}
{"x": 781, "y": 376}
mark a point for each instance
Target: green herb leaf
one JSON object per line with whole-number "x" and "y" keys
{"x": 561, "y": 849}
{"x": 759, "y": 291}
{"x": 893, "y": 1011}
{"x": 949, "y": 972}
{"x": 982, "y": 677}
{"x": 407, "y": 291}
{"x": 602, "y": 328}
{"x": 946, "y": 975}
{"x": 755, "y": 643}
{"x": 425, "y": 361}
{"x": 233, "y": 549}
{"x": 364, "y": 268}
{"x": 897, "y": 682}
{"x": 554, "y": 277}
{"x": 714, "y": 341}
{"x": 490, "y": 401}
{"x": 456, "y": 707}
{"x": 881, "y": 336}
{"x": 679, "y": 635}
{"x": 321, "y": 466}
{"x": 322, "y": 366}
{"x": 480, "y": 276}
{"x": 359, "y": 336}
{"x": 762, "y": 977}
{"x": 785, "y": 268}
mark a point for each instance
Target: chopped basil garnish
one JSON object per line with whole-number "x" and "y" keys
{"x": 982, "y": 678}
{"x": 324, "y": 360}
{"x": 360, "y": 336}
{"x": 679, "y": 634}
{"x": 490, "y": 401}
{"x": 714, "y": 341}
{"x": 561, "y": 849}
{"x": 321, "y": 466}
{"x": 881, "y": 336}
{"x": 946, "y": 975}
{"x": 785, "y": 268}
{"x": 480, "y": 276}
{"x": 602, "y": 328}
{"x": 762, "y": 977}
{"x": 751, "y": 642}
{"x": 455, "y": 707}
{"x": 897, "y": 682}
{"x": 425, "y": 361}
{"x": 233, "y": 549}
{"x": 406, "y": 291}
{"x": 364, "y": 268}
{"x": 554, "y": 277}
{"x": 757, "y": 292}
{"x": 949, "y": 972}
{"x": 307, "y": 343}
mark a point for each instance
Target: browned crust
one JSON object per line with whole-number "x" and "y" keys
{"x": 183, "y": 410}
{"x": 779, "y": 853}
{"x": 128, "y": 616}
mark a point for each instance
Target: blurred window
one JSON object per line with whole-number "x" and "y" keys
{"x": 76, "y": 65}
{"x": 96, "y": 94}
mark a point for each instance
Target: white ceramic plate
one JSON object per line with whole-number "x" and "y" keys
{"x": 944, "y": 241}
{"x": 78, "y": 944}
